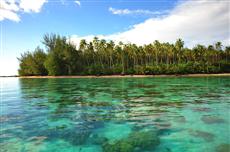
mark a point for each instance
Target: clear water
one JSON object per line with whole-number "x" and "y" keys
{"x": 115, "y": 114}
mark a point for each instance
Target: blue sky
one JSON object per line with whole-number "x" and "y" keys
{"x": 23, "y": 23}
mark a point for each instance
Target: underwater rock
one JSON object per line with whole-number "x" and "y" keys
{"x": 201, "y": 109}
{"x": 163, "y": 125}
{"x": 202, "y": 134}
{"x": 171, "y": 104}
{"x": 141, "y": 99}
{"x": 180, "y": 119}
{"x": 223, "y": 148}
{"x": 169, "y": 131}
{"x": 95, "y": 104}
{"x": 153, "y": 93}
{"x": 97, "y": 139}
{"x": 61, "y": 127}
{"x": 142, "y": 140}
{"x": 72, "y": 136}
{"x": 163, "y": 128}
{"x": 211, "y": 95}
{"x": 227, "y": 85}
{"x": 200, "y": 101}
{"x": 77, "y": 139}
{"x": 211, "y": 119}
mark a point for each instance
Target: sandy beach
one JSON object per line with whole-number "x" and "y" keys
{"x": 132, "y": 76}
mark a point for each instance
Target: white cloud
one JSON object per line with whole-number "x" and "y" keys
{"x": 78, "y": 3}
{"x": 32, "y": 5}
{"x": 9, "y": 5}
{"x": 10, "y": 9}
{"x": 195, "y": 22}
{"x": 134, "y": 12}
{"x": 7, "y": 14}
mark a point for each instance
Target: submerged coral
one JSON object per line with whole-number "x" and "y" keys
{"x": 212, "y": 119}
{"x": 142, "y": 140}
{"x": 202, "y": 134}
{"x": 97, "y": 139}
{"x": 223, "y": 148}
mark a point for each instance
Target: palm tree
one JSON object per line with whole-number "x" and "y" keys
{"x": 122, "y": 54}
{"x": 110, "y": 48}
{"x": 157, "y": 47}
{"x": 179, "y": 46}
{"x": 218, "y": 46}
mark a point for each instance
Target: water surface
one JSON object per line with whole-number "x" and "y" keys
{"x": 115, "y": 115}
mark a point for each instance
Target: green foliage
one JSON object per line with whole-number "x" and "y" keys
{"x": 62, "y": 56}
{"x": 54, "y": 64}
{"x": 100, "y": 57}
{"x": 32, "y": 63}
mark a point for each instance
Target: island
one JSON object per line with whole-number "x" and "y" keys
{"x": 106, "y": 57}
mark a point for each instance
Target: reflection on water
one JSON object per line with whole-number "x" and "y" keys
{"x": 116, "y": 115}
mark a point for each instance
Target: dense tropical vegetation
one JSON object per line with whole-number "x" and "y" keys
{"x": 101, "y": 57}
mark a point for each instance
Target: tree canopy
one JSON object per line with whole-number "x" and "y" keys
{"x": 32, "y": 63}
{"x": 101, "y": 57}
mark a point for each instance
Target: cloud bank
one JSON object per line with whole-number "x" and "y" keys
{"x": 202, "y": 21}
{"x": 134, "y": 12}
{"x": 9, "y": 9}
{"x": 32, "y": 5}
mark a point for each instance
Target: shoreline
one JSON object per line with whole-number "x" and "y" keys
{"x": 133, "y": 76}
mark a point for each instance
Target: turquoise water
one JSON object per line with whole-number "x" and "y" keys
{"x": 115, "y": 115}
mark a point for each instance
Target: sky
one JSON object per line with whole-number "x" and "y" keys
{"x": 24, "y": 22}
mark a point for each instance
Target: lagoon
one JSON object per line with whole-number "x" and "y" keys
{"x": 115, "y": 114}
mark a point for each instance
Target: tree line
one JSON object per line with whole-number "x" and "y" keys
{"x": 101, "y": 57}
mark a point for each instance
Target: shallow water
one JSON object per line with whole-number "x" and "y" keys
{"x": 115, "y": 114}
